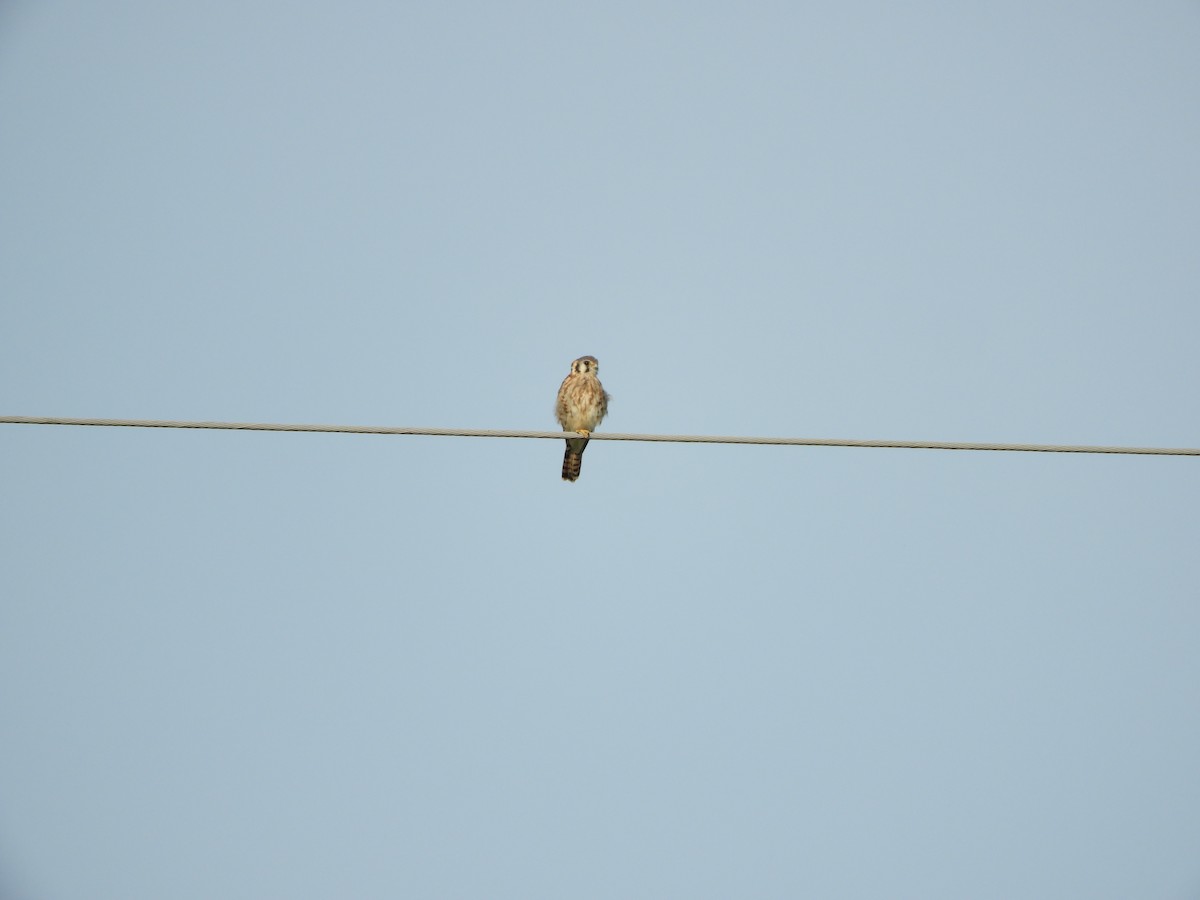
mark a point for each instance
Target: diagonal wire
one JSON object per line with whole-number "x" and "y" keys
{"x": 603, "y": 436}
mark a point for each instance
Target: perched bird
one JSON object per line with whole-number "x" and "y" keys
{"x": 582, "y": 405}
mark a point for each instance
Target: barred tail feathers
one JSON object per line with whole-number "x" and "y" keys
{"x": 573, "y": 459}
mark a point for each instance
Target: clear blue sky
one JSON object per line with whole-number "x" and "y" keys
{"x": 246, "y": 665}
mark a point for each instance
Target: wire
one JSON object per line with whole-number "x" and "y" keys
{"x": 604, "y": 436}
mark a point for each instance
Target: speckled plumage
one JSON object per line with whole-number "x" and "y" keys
{"x": 582, "y": 405}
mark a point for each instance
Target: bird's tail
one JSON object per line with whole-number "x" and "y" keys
{"x": 573, "y": 459}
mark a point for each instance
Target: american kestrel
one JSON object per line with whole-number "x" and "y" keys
{"x": 582, "y": 405}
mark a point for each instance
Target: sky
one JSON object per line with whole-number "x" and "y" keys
{"x": 258, "y": 665}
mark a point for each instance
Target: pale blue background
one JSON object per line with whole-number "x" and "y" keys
{"x": 244, "y": 665}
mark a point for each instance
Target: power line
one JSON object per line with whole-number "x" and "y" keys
{"x": 602, "y": 436}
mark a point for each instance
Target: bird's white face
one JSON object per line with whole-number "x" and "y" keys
{"x": 585, "y": 365}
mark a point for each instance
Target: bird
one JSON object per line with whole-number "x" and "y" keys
{"x": 582, "y": 405}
